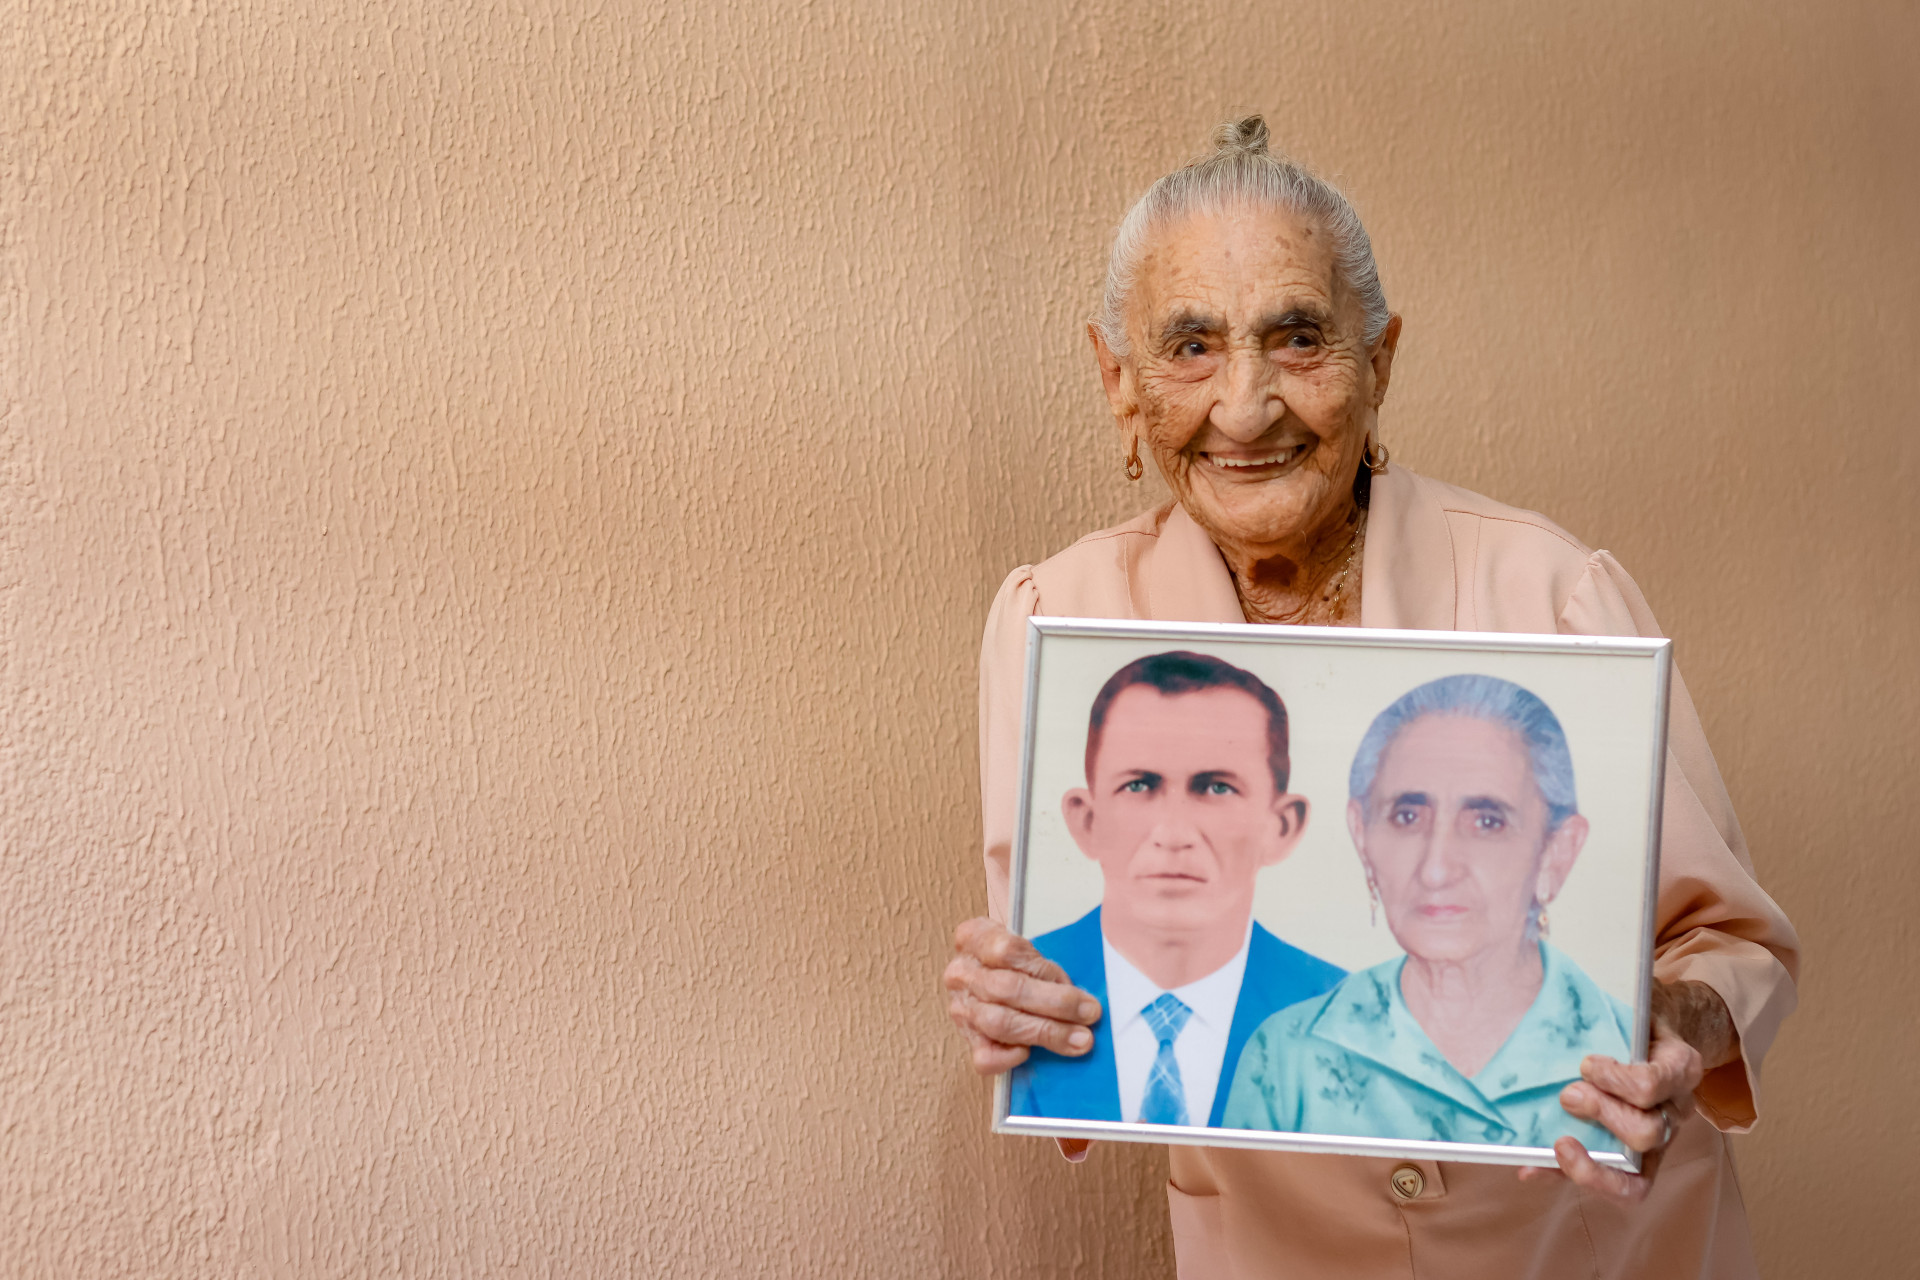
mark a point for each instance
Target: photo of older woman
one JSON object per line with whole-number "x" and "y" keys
{"x": 1463, "y": 811}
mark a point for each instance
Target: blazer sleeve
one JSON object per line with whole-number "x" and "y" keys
{"x": 1003, "y": 675}
{"x": 1714, "y": 924}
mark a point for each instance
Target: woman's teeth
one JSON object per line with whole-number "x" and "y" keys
{"x": 1265, "y": 461}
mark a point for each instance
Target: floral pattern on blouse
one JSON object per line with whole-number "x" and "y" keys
{"x": 1354, "y": 1063}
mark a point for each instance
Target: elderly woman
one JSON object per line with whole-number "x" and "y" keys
{"x": 1464, "y": 814}
{"x": 1245, "y": 341}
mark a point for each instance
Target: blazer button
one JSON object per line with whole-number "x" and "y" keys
{"x": 1407, "y": 1182}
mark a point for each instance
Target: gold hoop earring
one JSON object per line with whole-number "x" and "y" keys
{"x": 1375, "y": 456}
{"x": 1135, "y": 467}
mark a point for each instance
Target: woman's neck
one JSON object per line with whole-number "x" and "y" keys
{"x": 1469, "y": 1008}
{"x": 1318, "y": 585}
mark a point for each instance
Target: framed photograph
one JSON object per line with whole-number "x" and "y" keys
{"x": 1362, "y": 891}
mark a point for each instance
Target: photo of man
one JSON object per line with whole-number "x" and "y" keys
{"x": 1185, "y": 802}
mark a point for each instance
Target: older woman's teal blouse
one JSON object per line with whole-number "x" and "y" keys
{"x": 1355, "y": 1063}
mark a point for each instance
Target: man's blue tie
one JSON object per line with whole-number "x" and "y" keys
{"x": 1166, "y": 1099}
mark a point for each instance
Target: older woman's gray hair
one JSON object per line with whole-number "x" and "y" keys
{"x": 1239, "y": 170}
{"x": 1488, "y": 698}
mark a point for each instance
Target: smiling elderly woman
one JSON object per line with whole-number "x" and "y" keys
{"x": 1246, "y": 341}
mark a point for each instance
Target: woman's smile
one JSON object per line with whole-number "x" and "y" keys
{"x": 1263, "y": 464}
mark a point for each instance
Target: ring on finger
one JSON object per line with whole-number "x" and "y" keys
{"x": 1667, "y": 1125}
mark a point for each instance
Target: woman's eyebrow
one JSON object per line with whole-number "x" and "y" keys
{"x": 1187, "y": 324}
{"x": 1294, "y": 317}
{"x": 1487, "y": 804}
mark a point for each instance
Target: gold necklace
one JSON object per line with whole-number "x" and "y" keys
{"x": 1338, "y": 583}
{"x": 1328, "y": 600}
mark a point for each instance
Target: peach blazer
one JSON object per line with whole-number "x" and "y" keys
{"x": 1441, "y": 558}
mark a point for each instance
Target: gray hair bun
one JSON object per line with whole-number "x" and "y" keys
{"x": 1241, "y": 169}
{"x": 1245, "y": 136}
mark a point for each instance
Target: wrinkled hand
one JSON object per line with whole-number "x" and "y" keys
{"x": 1005, "y": 996}
{"x": 1642, "y": 1104}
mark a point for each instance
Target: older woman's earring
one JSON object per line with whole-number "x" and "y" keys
{"x": 1543, "y": 925}
{"x": 1135, "y": 467}
{"x": 1537, "y": 923}
{"x": 1373, "y": 903}
{"x": 1375, "y": 456}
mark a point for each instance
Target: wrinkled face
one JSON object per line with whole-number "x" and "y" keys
{"x": 1181, "y": 812}
{"x": 1455, "y": 834}
{"x": 1249, "y": 376}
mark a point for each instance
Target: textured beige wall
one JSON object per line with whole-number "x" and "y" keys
{"x": 499, "y": 502}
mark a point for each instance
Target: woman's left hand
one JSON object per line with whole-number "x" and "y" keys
{"x": 1641, "y": 1103}
{"x": 1644, "y": 1104}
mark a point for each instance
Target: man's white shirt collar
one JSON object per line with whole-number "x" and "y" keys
{"x": 1202, "y": 1044}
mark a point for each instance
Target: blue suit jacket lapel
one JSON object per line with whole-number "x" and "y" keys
{"x": 1257, "y": 996}
{"x": 1088, "y": 1087}
{"x": 1277, "y": 975}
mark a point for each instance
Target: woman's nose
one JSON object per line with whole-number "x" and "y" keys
{"x": 1439, "y": 862}
{"x": 1247, "y": 406}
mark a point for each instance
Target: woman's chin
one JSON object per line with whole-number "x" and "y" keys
{"x": 1274, "y": 512}
{"x": 1439, "y": 945}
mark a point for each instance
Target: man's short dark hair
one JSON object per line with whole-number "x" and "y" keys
{"x": 1181, "y": 672}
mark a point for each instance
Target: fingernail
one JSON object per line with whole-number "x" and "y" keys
{"x": 1080, "y": 1039}
{"x": 1089, "y": 1010}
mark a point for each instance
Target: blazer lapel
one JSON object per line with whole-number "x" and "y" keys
{"x": 1185, "y": 579}
{"x": 1259, "y": 996}
{"x": 1087, "y": 1087}
{"x": 1406, "y": 569}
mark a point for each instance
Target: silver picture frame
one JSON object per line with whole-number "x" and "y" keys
{"x": 1633, "y": 727}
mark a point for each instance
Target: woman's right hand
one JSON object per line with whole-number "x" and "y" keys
{"x": 1005, "y": 997}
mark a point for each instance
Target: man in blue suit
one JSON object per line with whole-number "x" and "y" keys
{"x": 1186, "y": 801}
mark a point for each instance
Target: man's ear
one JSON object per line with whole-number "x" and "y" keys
{"x": 1292, "y": 811}
{"x": 1077, "y": 807}
{"x": 1116, "y": 377}
{"x": 1381, "y": 358}
{"x": 1556, "y": 863}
